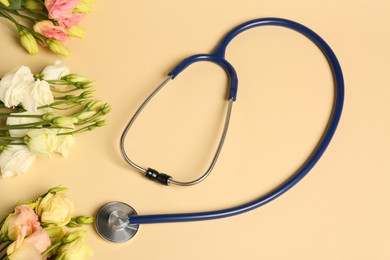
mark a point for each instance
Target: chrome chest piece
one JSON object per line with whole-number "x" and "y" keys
{"x": 112, "y": 222}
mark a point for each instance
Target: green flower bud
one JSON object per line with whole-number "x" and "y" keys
{"x": 75, "y": 78}
{"x": 39, "y": 76}
{"x": 101, "y": 123}
{"x": 94, "y": 105}
{"x": 33, "y": 5}
{"x": 57, "y": 47}
{"x": 69, "y": 97}
{"x": 87, "y": 94}
{"x": 86, "y": 85}
{"x": 106, "y": 109}
{"x": 83, "y": 220}
{"x": 73, "y": 224}
{"x": 58, "y": 190}
{"x": 86, "y": 115}
{"x": 84, "y": 6}
{"x": 76, "y": 31}
{"x": 72, "y": 236}
{"x": 64, "y": 121}
{"x": 5, "y": 2}
{"x": 91, "y": 127}
{"x": 28, "y": 41}
{"x": 82, "y": 101}
{"x": 49, "y": 116}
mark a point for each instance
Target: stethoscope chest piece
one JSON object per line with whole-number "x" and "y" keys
{"x": 112, "y": 222}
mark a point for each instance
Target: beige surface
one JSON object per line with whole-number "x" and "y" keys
{"x": 339, "y": 211}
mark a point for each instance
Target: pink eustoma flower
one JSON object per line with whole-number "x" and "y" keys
{"x": 49, "y": 30}
{"x": 23, "y": 222}
{"x": 58, "y": 8}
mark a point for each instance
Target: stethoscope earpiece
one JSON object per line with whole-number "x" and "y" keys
{"x": 112, "y": 222}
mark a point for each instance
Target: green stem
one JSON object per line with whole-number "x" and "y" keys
{"x": 40, "y": 15}
{"x": 32, "y": 20}
{"x": 54, "y": 104}
{"x": 80, "y": 130}
{"x": 65, "y": 108}
{"x": 12, "y": 114}
{"x": 24, "y": 126}
{"x": 63, "y": 91}
{"x": 10, "y": 143}
{"x": 54, "y": 247}
{"x": 9, "y": 17}
{"x": 10, "y": 138}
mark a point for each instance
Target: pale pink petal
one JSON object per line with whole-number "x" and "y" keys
{"x": 58, "y": 8}
{"x": 67, "y": 21}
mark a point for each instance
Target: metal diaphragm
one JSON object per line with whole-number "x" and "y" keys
{"x": 112, "y": 222}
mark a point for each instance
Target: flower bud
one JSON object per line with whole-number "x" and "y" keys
{"x": 5, "y": 2}
{"x": 76, "y": 31}
{"x": 72, "y": 236}
{"x": 28, "y": 41}
{"x": 85, "y": 220}
{"x": 101, "y": 123}
{"x": 86, "y": 115}
{"x": 73, "y": 224}
{"x": 75, "y": 78}
{"x": 106, "y": 109}
{"x": 87, "y": 94}
{"x": 39, "y": 76}
{"x": 84, "y": 6}
{"x": 81, "y": 220}
{"x": 57, "y": 47}
{"x": 58, "y": 190}
{"x": 94, "y": 105}
{"x": 86, "y": 85}
{"x": 49, "y": 116}
{"x": 81, "y": 101}
{"x": 33, "y": 5}
{"x": 64, "y": 121}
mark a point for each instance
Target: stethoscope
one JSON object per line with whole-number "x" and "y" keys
{"x": 118, "y": 222}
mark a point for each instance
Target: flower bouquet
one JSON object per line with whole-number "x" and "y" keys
{"x": 42, "y": 113}
{"x": 44, "y": 229}
{"x": 47, "y": 22}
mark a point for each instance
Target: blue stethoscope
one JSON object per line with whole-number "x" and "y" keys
{"x": 118, "y": 222}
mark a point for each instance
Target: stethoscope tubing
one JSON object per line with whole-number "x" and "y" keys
{"x": 219, "y": 53}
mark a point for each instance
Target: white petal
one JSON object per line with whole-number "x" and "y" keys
{"x": 15, "y": 160}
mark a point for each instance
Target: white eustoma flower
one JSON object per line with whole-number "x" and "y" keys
{"x": 56, "y": 72}
{"x": 64, "y": 142}
{"x": 15, "y": 160}
{"x": 37, "y": 94}
{"x": 12, "y": 86}
{"x": 42, "y": 141}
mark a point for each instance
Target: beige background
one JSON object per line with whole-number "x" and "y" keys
{"x": 339, "y": 211}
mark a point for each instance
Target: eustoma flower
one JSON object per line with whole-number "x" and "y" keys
{"x": 37, "y": 119}
{"x": 49, "y": 22}
{"x": 44, "y": 229}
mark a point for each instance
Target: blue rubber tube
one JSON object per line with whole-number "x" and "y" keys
{"x": 311, "y": 161}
